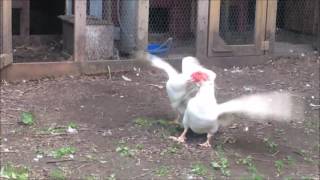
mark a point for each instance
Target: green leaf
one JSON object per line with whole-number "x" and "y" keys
{"x": 73, "y": 125}
{"x": 27, "y": 118}
{"x": 63, "y": 151}
{"x": 16, "y": 173}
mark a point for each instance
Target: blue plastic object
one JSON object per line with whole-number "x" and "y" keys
{"x": 155, "y": 48}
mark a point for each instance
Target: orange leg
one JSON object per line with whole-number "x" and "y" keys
{"x": 207, "y": 143}
{"x": 182, "y": 138}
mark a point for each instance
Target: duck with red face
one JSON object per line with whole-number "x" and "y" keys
{"x": 179, "y": 86}
{"x": 202, "y": 112}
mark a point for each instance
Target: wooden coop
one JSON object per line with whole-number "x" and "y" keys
{"x": 227, "y": 32}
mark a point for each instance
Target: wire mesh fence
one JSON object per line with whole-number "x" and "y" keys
{"x": 172, "y": 27}
{"x": 175, "y": 20}
{"x": 112, "y": 28}
{"x": 297, "y": 21}
{"x": 237, "y": 21}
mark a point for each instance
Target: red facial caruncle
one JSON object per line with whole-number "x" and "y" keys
{"x": 199, "y": 76}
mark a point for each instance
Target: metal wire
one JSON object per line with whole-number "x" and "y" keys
{"x": 296, "y": 21}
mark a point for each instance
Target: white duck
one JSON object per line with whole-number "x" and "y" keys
{"x": 179, "y": 86}
{"x": 202, "y": 112}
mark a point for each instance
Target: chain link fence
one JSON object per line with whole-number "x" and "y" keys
{"x": 172, "y": 27}
{"x": 297, "y": 21}
{"x": 237, "y": 21}
{"x": 111, "y": 29}
{"x": 175, "y": 21}
{"x": 111, "y": 25}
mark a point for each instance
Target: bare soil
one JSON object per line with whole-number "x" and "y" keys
{"x": 110, "y": 139}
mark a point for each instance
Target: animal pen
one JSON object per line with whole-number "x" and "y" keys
{"x": 93, "y": 36}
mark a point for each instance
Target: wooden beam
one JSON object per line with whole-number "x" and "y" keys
{"x": 271, "y": 24}
{"x": 6, "y": 33}
{"x": 202, "y": 29}
{"x": 5, "y": 60}
{"x": 1, "y": 26}
{"x": 260, "y": 26}
{"x": 142, "y": 26}
{"x": 21, "y": 71}
{"x": 80, "y": 30}
{"x": 6, "y": 27}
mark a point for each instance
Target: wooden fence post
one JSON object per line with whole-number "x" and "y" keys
{"x": 80, "y": 24}
{"x": 142, "y": 26}
{"x": 202, "y": 29}
{"x": 6, "y": 33}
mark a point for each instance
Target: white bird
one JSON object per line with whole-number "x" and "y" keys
{"x": 179, "y": 86}
{"x": 202, "y": 112}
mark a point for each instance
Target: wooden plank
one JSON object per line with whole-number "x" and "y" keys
{"x": 21, "y": 71}
{"x": 271, "y": 24}
{"x": 5, "y": 60}
{"x": 1, "y": 27}
{"x": 80, "y": 30}
{"x": 214, "y": 22}
{"x": 142, "y": 26}
{"x": 6, "y": 27}
{"x": 202, "y": 29}
{"x": 25, "y": 18}
{"x": 6, "y": 33}
{"x": 218, "y": 47}
{"x": 260, "y": 24}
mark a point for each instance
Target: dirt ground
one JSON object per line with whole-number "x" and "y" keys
{"x": 123, "y": 127}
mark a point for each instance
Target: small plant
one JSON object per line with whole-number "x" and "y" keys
{"x": 61, "y": 152}
{"x": 111, "y": 177}
{"x": 72, "y": 125}
{"x": 279, "y": 164}
{"x": 57, "y": 174}
{"x": 288, "y": 178}
{"x": 272, "y": 146}
{"x": 251, "y": 168}
{"x": 125, "y": 151}
{"x": 307, "y": 178}
{"x": 143, "y": 123}
{"x": 162, "y": 171}
{"x": 139, "y": 146}
{"x": 222, "y": 163}
{"x": 304, "y": 154}
{"x": 27, "y": 118}
{"x": 171, "y": 149}
{"x": 91, "y": 177}
{"x": 289, "y": 160}
{"x": 16, "y": 173}
{"x": 54, "y": 130}
{"x": 163, "y": 123}
{"x": 199, "y": 169}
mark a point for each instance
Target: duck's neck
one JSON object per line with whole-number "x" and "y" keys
{"x": 207, "y": 93}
